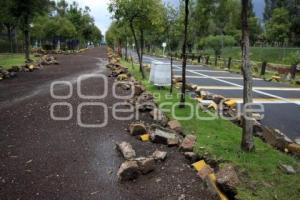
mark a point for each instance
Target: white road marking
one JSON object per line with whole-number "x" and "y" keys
{"x": 256, "y": 88}
{"x": 268, "y": 101}
{"x": 220, "y": 77}
{"x": 201, "y": 70}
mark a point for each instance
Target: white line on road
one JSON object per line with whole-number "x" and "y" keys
{"x": 201, "y": 70}
{"x": 220, "y": 77}
{"x": 255, "y": 88}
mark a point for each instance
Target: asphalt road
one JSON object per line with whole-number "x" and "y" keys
{"x": 42, "y": 158}
{"x": 281, "y": 102}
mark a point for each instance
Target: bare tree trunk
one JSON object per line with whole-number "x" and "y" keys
{"x": 142, "y": 49}
{"x": 186, "y": 20}
{"x": 9, "y": 36}
{"x": 216, "y": 60}
{"x": 15, "y": 50}
{"x": 247, "y": 138}
{"x": 137, "y": 49}
{"x": 171, "y": 88}
{"x": 27, "y": 39}
{"x": 126, "y": 50}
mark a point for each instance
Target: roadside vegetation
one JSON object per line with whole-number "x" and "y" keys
{"x": 9, "y": 60}
{"x": 214, "y": 29}
{"x": 45, "y": 24}
{"x": 258, "y": 171}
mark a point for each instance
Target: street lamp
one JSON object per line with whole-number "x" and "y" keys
{"x": 164, "y": 45}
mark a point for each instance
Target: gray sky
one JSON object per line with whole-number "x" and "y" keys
{"x": 103, "y": 18}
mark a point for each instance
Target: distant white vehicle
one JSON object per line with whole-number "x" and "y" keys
{"x": 160, "y": 74}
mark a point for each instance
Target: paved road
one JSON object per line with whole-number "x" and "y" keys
{"x": 41, "y": 158}
{"x": 281, "y": 102}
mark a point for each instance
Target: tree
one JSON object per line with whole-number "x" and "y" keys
{"x": 8, "y": 21}
{"x": 247, "y": 143}
{"x": 25, "y": 11}
{"x": 278, "y": 27}
{"x": 217, "y": 43}
{"x": 140, "y": 15}
{"x": 293, "y": 8}
{"x": 118, "y": 36}
{"x": 186, "y": 21}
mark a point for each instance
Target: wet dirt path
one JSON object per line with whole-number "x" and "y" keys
{"x": 41, "y": 158}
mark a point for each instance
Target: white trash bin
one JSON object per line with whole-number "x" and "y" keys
{"x": 160, "y": 74}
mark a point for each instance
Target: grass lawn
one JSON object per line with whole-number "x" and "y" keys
{"x": 258, "y": 171}
{"x": 258, "y": 54}
{"x": 9, "y": 60}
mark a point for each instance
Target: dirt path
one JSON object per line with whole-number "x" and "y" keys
{"x": 45, "y": 159}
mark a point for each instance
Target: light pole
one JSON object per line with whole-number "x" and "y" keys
{"x": 164, "y": 45}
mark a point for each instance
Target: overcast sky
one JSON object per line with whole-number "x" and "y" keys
{"x": 103, "y": 18}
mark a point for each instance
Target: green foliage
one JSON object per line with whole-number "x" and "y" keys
{"x": 49, "y": 21}
{"x": 9, "y": 60}
{"x": 117, "y": 34}
{"x": 25, "y": 11}
{"x": 218, "y": 42}
{"x": 293, "y": 8}
{"x": 278, "y": 27}
{"x": 258, "y": 54}
{"x": 86, "y": 30}
{"x": 293, "y": 58}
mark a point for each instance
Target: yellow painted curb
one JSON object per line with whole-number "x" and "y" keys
{"x": 199, "y": 165}
{"x": 213, "y": 179}
{"x": 230, "y": 103}
{"x": 294, "y": 148}
{"x": 276, "y": 78}
{"x": 145, "y": 137}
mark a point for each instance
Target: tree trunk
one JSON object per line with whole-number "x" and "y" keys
{"x": 126, "y": 50}
{"x": 186, "y": 20}
{"x": 27, "y": 43}
{"x": 137, "y": 49}
{"x": 247, "y": 138}
{"x": 9, "y": 37}
{"x": 171, "y": 88}
{"x": 216, "y": 60}
{"x": 27, "y": 38}
{"x": 142, "y": 49}
{"x": 229, "y": 63}
{"x": 15, "y": 50}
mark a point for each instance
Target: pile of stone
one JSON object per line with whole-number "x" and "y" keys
{"x": 167, "y": 132}
{"x": 117, "y": 70}
{"x": 29, "y": 66}
{"x": 49, "y": 60}
{"x": 134, "y": 166}
{"x": 6, "y": 74}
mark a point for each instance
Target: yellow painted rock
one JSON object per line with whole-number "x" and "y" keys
{"x": 145, "y": 137}
{"x": 276, "y": 78}
{"x": 294, "y": 148}
{"x": 230, "y": 103}
{"x": 199, "y": 165}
